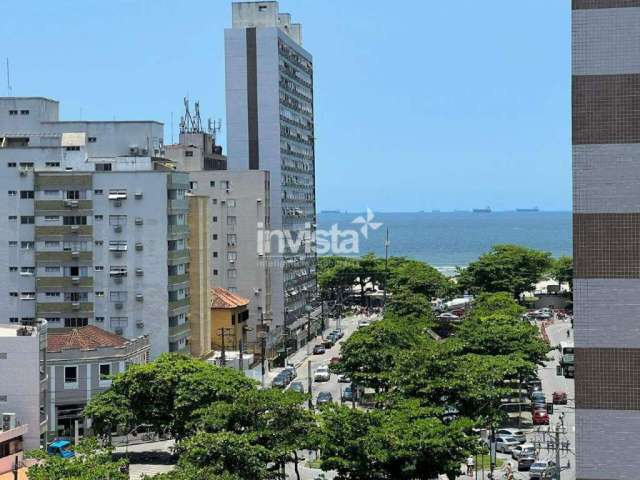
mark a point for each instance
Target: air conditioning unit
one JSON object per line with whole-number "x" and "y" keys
{"x": 8, "y": 421}
{"x": 118, "y": 305}
{"x": 140, "y": 324}
{"x": 75, "y": 255}
{"x": 139, "y": 272}
{"x": 117, "y": 203}
{"x": 139, "y": 297}
{"x": 75, "y": 280}
{"x": 117, "y": 228}
{"x": 75, "y": 228}
{"x": 257, "y": 291}
{"x": 138, "y": 195}
{"x": 23, "y": 172}
{"x": 117, "y": 279}
{"x": 117, "y": 253}
{"x": 75, "y": 306}
{"x": 118, "y": 330}
{"x": 71, "y": 203}
{"x": 139, "y": 221}
{"x": 139, "y": 246}
{"x": 134, "y": 150}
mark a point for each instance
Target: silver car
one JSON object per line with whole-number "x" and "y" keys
{"x": 505, "y": 444}
{"x": 542, "y": 470}
{"x": 512, "y": 432}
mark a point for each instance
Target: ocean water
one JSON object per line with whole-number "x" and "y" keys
{"x": 449, "y": 239}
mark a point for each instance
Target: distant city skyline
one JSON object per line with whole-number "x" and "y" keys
{"x": 447, "y": 108}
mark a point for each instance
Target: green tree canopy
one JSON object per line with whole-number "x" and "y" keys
{"x": 562, "y": 270}
{"x": 506, "y": 268}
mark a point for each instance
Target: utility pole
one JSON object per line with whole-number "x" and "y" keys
{"x": 386, "y": 264}
{"x": 308, "y": 327}
{"x": 263, "y": 345}
{"x": 557, "y": 451}
{"x": 223, "y": 352}
{"x": 309, "y": 386}
{"x": 240, "y": 359}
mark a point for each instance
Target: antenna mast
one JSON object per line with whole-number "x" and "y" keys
{"x": 9, "y": 89}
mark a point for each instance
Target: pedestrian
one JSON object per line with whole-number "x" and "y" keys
{"x": 470, "y": 465}
{"x": 568, "y": 333}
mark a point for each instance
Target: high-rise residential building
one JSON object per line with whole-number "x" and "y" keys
{"x": 93, "y": 225}
{"x": 269, "y": 98}
{"x": 606, "y": 179}
{"x": 23, "y": 387}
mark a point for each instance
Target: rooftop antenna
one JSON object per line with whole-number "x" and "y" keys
{"x": 171, "y": 128}
{"x": 197, "y": 122}
{"x": 9, "y": 89}
{"x": 213, "y": 127}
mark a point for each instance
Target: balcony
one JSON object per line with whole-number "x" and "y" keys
{"x": 45, "y": 309}
{"x": 178, "y": 229}
{"x": 177, "y": 279}
{"x": 179, "y": 330}
{"x": 63, "y": 206}
{"x": 63, "y": 230}
{"x": 179, "y": 205}
{"x": 177, "y": 256}
{"x": 179, "y": 303}
{"x": 46, "y": 283}
{"x": 64, "y": 257}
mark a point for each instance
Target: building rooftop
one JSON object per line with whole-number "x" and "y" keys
{"x": 82, "y": 338}
{"x": 221, "y": 298}
{"x": 17, "y": 331}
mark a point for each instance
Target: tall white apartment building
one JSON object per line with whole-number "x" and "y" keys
{"x": 23, "y": 388}
{"x": 93, "y": 225}
{"x": 269, "y": 98}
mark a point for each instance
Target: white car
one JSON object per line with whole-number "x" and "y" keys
{"x": 512, "y": 432}
{"x": 523, "y": 450}
{"x": 505, "y": 444}
{"x": 322, "y": 374}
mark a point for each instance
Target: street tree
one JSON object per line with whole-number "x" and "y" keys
{"x": 92, "y": 462}
{"x": 506, "y": 268}
{"x": 562, "y": 270}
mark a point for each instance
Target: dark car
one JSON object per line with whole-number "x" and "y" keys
{"x": 538, "y": 395}
{"x": 324, "y": 398}
{"x": 281, "y": 380}
{"x": 297, "y": 387}
{"x": 525, "y": 462}
{"x": 319, "y": 350}
{"x": 347, "y": 394}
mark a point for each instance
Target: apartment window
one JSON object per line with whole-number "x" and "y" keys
{"x": 212, "y": 184}
{"x": 231, "y": 203}
{"x": 117, "y": 194}
{"x": 193, "y": 185}
{"x": 100, "y": 319}
{"x": 231, "y": 220}
{"x": 215, "y": 254}
{"x": 14, "y": 319}
{"x": 105, "y": 371}
{"x": 231, "y": 239}
{"x": 26, "y": 165}
{"x": 99, "y": 294}
{"x": 118, "y": 322}
{"x": 118, "y": 297}
{"x": 51, "y": 244}
{"x": 76, "y": 322}
{"x": 13, "y": 269}
{"x": 75, "y": 246}
{"x": 98, "y": 243}
{"x": 26, "y": 194}
{"x": 13, "y": 112}
{"x": 52, "y": 164}
{"x": 28, "y": 245}
{"x": 76, "y": 271}
{"x": 12, "y": 193}
{"x": 27, "y": 219}
{"x": 118, "y": 246}
{"x": 52, "y": 269}
{"x": 13, "y": 218}
{"x": 51, "y": 218}
{"x": 98, "y": 191}
{"x": 118, "y": 271}
{"x": 188, "y": 153}
{"x": 52, "y": 319}
{"x": 13, "y": 243}
{"x": 73, "y": 195}
{"x": 24, "y": 112}
{"x": 232, "y": 273}
{"x": 52, "y": 294}
{"x": 76, "y": 297}
{"x": 27, "y": 295}
{"x": 92, "y": 139}
{"x": 28, "y": 271}
{"x": 72, "y": 148}
{"x": 51, "y": 193}
{"x": 215, "y": 272}
{"x": 215, "y": 236}
{"x": 232, "y": 256}
{"x": 214, "y": 201}
{"x": 215, "y": 219}
{"x": 70, "y": 375}
{"x": 98, "y": 217}
{"x": 74, "y": 220}
{"x": 103, "y": 167}
{"x": 117, "y": 219}
{"x": 11, "y": 164}
{"x": 99, "y": 268}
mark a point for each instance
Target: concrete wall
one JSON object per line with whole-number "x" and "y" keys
{"x": 200, "y": 313}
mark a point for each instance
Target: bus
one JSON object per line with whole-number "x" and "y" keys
{"x": 567, "y": 359}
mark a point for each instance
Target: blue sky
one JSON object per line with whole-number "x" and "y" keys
{"x": 420, "y": 104}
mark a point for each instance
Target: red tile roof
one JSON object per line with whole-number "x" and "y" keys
{"x": 83, "y": 338}
{"x": 221, "y": 298}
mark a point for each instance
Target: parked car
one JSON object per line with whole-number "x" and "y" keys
{"x": 538, "y": 395}
{"x": 291, "y": 371}
{"x": 560, "y": 398}
{"x": 322, "y": 374}
{"x": 522, "y": 450}
{"x": 297, "y": 387}
{"x": 318, "y": 350}
{"x": 512, "y": 432}
{"x": 343, "y": 378}
{"x": 534, "y": 386}
{"x": 540, "y": 417}
{"x": 338, "y": 332}
{"x": 324, "y": 398}
{"x": 347, "y": 394}
{"x": 281, "y": 380}
{"x": 505, "y": 443}
{"x": 542, "y": 469}
{"x": 525, "y": 462}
